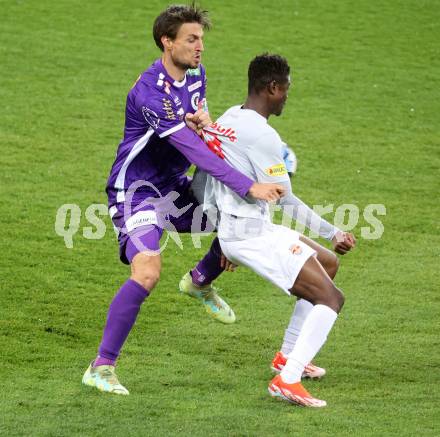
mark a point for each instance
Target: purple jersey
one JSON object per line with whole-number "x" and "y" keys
{"x": 158, "y": 147}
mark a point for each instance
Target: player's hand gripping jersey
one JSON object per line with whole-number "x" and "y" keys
{"x": 254, "y": 148}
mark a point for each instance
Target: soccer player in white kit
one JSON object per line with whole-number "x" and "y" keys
{"x": 281, "y": 255}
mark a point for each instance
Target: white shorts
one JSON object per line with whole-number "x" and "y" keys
{"x": 277, "y": 255}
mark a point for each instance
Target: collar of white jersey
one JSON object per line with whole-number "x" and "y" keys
{"x": 250, "y": 111}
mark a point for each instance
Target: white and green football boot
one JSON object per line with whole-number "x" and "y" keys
{"x": 207, "y": 295}
{"x": 104, "y": 378}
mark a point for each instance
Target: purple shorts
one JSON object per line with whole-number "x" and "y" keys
{"x": 141, "y": 223}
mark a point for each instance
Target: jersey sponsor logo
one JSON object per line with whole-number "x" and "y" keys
{"x": 295, "y": 249}
{"x": 141, "y": 218}
{"x": 195, "y": 86}
{"x": 151, "y": 117}
{"x": 195, "y": 100}
{"x": 168, "y": 108}
{"x": 276, "y": 170}
{"x": 193, "y": 72}
{"x": 219, "y": 130}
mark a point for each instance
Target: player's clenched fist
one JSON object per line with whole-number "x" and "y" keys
{"x": 343, "y": 242}
{"x": 199, "y": 120}
{"x": 268, "y": 192}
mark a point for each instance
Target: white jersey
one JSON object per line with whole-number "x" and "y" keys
{"x": 255, "y": 149}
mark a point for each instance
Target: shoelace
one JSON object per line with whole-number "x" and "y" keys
{"x": 211, "y": 289}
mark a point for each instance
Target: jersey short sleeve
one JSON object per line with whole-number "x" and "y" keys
{"x": 266, "y": 157}
{"x": 160, "y": 112}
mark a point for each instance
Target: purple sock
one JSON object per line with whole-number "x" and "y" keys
{"x": 99, "y": 361}
{"x": 120, "y": 319}
{"x": 208, "y": 268}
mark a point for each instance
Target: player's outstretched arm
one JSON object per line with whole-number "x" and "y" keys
{"x": 195, "y": 150}
{"x": 302, "y": 213}
{"x": 342, "y": 242}
{"x": 261, "y": 191}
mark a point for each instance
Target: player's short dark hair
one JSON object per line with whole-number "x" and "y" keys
{"x": 169, "y": 21}
{"x": 264, "y": 69}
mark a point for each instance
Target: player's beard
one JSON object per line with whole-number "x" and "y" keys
{"x": 184, "y": 65}
{"x": 279, "y": 108}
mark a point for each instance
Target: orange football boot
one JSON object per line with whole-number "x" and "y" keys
{"x": 294, "y": 393}
{"x": 310, "y": 371}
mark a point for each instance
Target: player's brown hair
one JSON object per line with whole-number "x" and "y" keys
{"x": 169, "y": 21}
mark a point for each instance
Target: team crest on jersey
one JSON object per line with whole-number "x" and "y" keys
{"x": 276, "y": 170}
{"x": 151, "y": 117}
{"x": 295, "y": 249}
{"x": 195, "y": 100}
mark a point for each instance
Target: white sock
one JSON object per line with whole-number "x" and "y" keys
{"x": 300, "y": 313}
{"x": 313, "y": 335}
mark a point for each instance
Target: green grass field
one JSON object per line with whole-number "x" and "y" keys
{"x": 363, "y": 118}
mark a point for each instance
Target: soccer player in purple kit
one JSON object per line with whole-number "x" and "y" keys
{"x": 148, "y": 189}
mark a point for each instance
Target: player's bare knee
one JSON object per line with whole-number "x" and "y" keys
{"x": 147, "y": 274}
{"x": 145, "y": 270}
{"x": 147, "y": 278}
